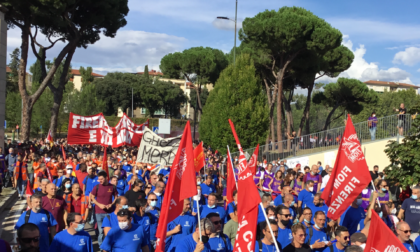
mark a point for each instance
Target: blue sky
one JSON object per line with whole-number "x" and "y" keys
{"x": 384, "y": 35}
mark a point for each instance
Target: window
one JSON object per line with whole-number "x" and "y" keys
{"x": 157, "y": 112}
{"x": 143, "y": 111}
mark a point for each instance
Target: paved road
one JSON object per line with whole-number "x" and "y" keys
{"x": 11, "y": 213}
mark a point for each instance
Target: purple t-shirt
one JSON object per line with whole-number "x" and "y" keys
{"x": 374, "y": 120}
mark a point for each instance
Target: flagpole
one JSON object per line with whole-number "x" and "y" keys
{"x": 231, "y": 164}
{"x": 199, "y": 220}
{"x": 379, "y": 203}
{"x": 269, "y": 226}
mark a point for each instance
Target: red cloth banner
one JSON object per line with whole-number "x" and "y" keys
{"x": 199, "y": 160}
{"x": 105, "y": 162}
{"x": 181, "y": 185}
{"x": 349, "y": 176}
{"x": 95, "y": 130}
{"x": 248, "y": 200}
{"x": 230, "y": 182}
{"x": 64, "y": 153}
{"x": 381, "y": 238}
{"x": 252, "y": 162}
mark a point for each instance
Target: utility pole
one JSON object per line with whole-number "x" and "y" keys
{"x": 132, "y": 102}
{"x": 234, "y": 46}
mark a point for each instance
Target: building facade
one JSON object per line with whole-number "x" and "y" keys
{"x": 386, "y": 86}
{"x": 77, "y": 78}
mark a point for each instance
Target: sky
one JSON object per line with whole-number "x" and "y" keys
{"x": 383, "y": 35}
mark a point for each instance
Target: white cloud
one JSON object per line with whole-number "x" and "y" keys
{"x": 362, "y": 70}
{"x": 129, "y": 51}
{"x": 409, "y": 56}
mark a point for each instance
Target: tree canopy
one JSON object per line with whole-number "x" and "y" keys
{"x": 237, "y": 96}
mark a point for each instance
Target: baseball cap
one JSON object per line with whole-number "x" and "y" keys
{"x": 358, "y": 237}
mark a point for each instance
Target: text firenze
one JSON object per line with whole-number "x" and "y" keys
{"x": 342, "y": 179}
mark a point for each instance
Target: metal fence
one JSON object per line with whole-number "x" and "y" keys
{"x": 386, "y": 127}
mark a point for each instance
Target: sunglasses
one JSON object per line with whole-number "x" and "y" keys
{"x": 217, "y": 222}
{"x": 286, "y": 215}
{"x": 29, "y": 240}
{"x": 405, "y": 231}
{"x": 153, "y": 199}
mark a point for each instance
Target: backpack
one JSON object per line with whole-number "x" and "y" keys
{"x": 411, "y": 244}
{"x": 28, "y": 214}
{"x": 260, "y": 247}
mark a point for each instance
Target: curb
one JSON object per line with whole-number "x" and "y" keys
{"x": 8, "y": 200}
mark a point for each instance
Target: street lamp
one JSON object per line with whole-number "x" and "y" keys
{"x": 234, "y": 47}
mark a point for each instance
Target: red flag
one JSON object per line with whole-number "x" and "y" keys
{"x": 248, "y": 200}
{"x": 49, "y": 138}
{"x": 381, "y": 238}
{"x": 181, "y": 185}
{"x": 29, "y": 192}
{"x": 349, "y": 176}
{"x": 104, "y": 162}
{"x": 230, "y": 182}
{"x": 49, "y": 173}
{"x": 199, "y": 157}
{"x": 64, "y": 153}
{"x": 252, "y": 163}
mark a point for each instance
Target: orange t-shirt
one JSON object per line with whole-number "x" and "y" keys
{"x": 53, "y": 169}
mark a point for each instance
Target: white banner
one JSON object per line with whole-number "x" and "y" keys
{"x": 157, "y": 150}
{"x": 303, "y": 161}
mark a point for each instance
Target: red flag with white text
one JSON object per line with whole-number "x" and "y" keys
{"x": 381, "y": 238}
{"x": 230, "y": 180}
{"x": 181, "y": 185}
{"x": 248, "y": 200}
{"x": 199, "y": 160}
{"x": 252, "y": 162}
{"x": 105, "y": 162}
{"x": 349, "y": 176}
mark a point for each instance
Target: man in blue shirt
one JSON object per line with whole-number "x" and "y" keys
{"x": 343, "y": 238}
{"x": 266, "y": 201}
{"x": 319, "y": 205}
{"x": 159, "y": 191}
{"x": 306, "y": 217}
{"x": 191, "y": 243}
{"x": 403, "y": 234}
{"x": 28, "y": 237}
{"x": 232, "y": 205}
{"x": 181, "y": 227}
{"x": 320, "y": 168}
{"x": 42, "y": 218}
{"x": 122, "y": 184}
{"x": 212, "y": 207}
{"x": 266, "y": 244}
{"x": 316, "y": 236}
{"x": 127, "y": 237}
{"x": 165, "y": 172}
{"x": 284, "y": 218}
{"x": 306, "y": 196}
{"x": 207, "y": 187}
{"x": 289, "y": 202}
{"x": 142, "y": 218}
{"x": 218, "y": 241}
{"x": 74, "y": 238}
{"x": 11, "y": 160}
{"x": 111, "y": 220}
{"x": 353, "y": 215}
{"x": 155, "y": 214}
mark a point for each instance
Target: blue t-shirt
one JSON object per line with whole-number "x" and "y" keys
{"x": 411, "y": 213}
{"x": 417, "y": 243}
{"x": 111, "y": 222}
{"x": 65, "y": 242}
{"x": 127, "y": 168}
{"x": 265, "y": 247}
{"x": 207, "y": 189}
{"x": 306, "y": 197}
{"x": 320, "y": 169}
{"x": 217, "y": 244}
{"x": 336, "y": 249}
{"x": 317, "y": 235}
{"x": 409, "y": 247}
{"x": 164, "y": 172}
{"x": 159, "y": 199}
{"x": 125, "y": 240}
{"x": 154, "y": 223}
{"x": 285, "y": 236}
{"x": 351, "y": 218}
{"x": 323, "y": 208}
{"x": 143, "y": 221}
{"x": 187, "y": 223}
{"x": 261, "y": 216}
{"x": 187, "y": 244}
{"x": 205, "y": 210}
{"x": 90, "y": 183}
{"x": 230, "y": 208}
{"x": 122, "y": 186}
{"x": 278, "y": 201}
{"x": 57, "y": 182}
{"x": 41, "y": 220}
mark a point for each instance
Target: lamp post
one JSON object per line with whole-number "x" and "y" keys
{"x": 234, "y": 47}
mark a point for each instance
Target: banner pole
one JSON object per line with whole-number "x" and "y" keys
{"x": 199, "y": 220}
{"x": 269, "y": 226}
{"x": 231, "y": 164}
{"x": 379, "y": 203}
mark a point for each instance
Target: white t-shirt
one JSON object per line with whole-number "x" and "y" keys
{"x": 325, "y": 181}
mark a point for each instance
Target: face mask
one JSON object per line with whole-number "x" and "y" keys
{"x": 312, "y": 173}
{"x": 67, "y": 186}
{"x": 311, "y": 189}
{"x": 125, "y": 163}
{"x": 205, "y": 239}
{"x": 383, "y": 189}
{"x": 271, "y": 203}
{"x": 157, "y": 194}
{"x": 374, "y": 115}
{"x": 213, "y": 206}
{"x": 153, "y": 203}
{"x": 285, "y": 222}
{"x": 381, "y": 215}
{"x": 394, "y": 211}
{"x": 68, "y": 172}
{"x": 236, "y": 160}
{"x": 123, "y": 225}
{"x": 292, "y": 203}
{"x": 272, "y": 217}
{"x": 363, "y": 246}
{"x": 414, "y": 197}
{"x": 135, "y": 171}
{"x": 306, "y": 221}
{"x": 124, "y": 207}
{"x": 198, "y": 182}
{"x": 359, "y": 202}
{"x": 80, "y": 227}
{"x": 317, "y": 226}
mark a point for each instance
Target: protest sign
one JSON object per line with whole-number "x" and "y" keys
{"x": 157, "y": 150}
{"x": 303, "y": 161}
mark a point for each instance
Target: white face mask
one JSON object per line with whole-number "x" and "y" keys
{"x": 272, "y": 217}
{"x": 123, "y": 225}
{"x": 271, "y": 203}
{"x": 363, "y": 246}
{"x": 374, "y": 115}
{"x": 394, "y": 211}
{"x": 157, "y": 194}
{"x": 311, "y": 189}
{"x": 68, "y": 171}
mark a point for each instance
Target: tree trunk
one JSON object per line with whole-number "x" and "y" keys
{"x": 305, "y": 116}
{"x": 279, "y": 82}
{"x": 271, "y": 102}
{"x": 27, "y": 103}
{"x": 58, "y": 92}
{"x": 327, "y": 122}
